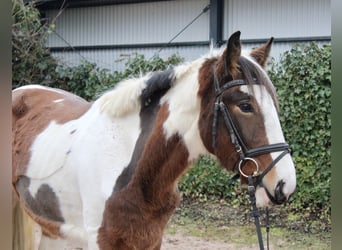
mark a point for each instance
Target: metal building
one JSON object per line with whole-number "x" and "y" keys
{"x": 100, "y": 31}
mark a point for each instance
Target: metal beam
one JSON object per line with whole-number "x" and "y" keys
{"x": 188, "y": 44}
{"x": 128, "y": 46}
{"x": 216, "y": 22}
{"x": 57, "y": 4}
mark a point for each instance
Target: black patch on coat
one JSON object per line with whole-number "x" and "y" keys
{"x": 156, "y": 87}
{"x": 45, "y": 204}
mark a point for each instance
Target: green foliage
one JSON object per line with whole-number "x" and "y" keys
{"x": 207, "y": 180}
{"x": 85, "y": 80}
{"x": 88, "y": 81}
{"x": 31, "y": 61}
{"x": 137, "y": 65}
{"x": 303, "y": 82}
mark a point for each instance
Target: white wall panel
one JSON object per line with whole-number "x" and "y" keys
{"x": 154, "y": 22}
{"x": 108, "y": 58}
{"x": 279, "y": 48}
{"x": 279, "y": 18}
{"x": 158, "y": 22}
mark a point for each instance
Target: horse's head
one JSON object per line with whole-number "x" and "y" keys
{"x": 239, "y": 121}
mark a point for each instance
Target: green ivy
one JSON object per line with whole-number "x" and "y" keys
{"x": 89, "y": 81}
{"x": 85, "y": 80}
{"x": 207, "y": 180}
{"x": 31, "y": 61}
{"x": 137, "y": 65}
{"x": 303, "y": 82}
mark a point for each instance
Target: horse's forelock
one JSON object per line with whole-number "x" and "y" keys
{"x": 254, "y": 73}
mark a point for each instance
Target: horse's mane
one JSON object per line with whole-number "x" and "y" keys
{"x": 123, "y": 98}
{"x": 132, "y": 94}
{"x": 128, "y": 96}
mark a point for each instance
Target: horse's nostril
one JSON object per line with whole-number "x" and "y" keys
{"x": 280, "y": 197}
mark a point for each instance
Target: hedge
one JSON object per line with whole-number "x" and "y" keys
{"x": 303, "y": 82}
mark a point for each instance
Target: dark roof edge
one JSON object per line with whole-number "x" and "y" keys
{"x": 58, "y": 4}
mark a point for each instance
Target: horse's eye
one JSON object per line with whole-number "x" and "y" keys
{"x": 246, "y": 107}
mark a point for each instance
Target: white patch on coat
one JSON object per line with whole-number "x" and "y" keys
{"x": 81, "y": 161}
{"x": 184, "y": 107}
{"x": 55, "y": 141}
{"x": 58, "y": 244}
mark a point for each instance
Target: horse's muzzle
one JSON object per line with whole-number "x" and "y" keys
{"x": 279, "y": 196}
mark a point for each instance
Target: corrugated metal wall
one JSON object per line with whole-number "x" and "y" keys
{"x": 278, "y": 18}
{"x": 155, "y": 22}
{"x": 158, "y": 22}
{"x": 107, "y": 58}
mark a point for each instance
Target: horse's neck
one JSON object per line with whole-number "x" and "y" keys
{"x": 150, "y": 198}
{"x": 174, "y": 140}
{"x": 162, "y": 163}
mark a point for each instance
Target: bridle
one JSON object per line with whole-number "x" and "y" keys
{"x": 245, "y": 154}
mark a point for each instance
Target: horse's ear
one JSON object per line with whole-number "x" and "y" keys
{"x": 233, "y": 53}
{"x": 261, "y": 54}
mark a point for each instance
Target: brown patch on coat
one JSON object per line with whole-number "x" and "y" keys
{"x": 135, "y": 217}
{"x": 49, "y": 228}
{"x": 32, "y": 111}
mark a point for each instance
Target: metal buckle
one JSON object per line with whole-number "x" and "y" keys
{"x": 255, "y": 173}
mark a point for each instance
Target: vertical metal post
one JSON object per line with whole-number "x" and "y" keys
{"x": 216, "y": 22}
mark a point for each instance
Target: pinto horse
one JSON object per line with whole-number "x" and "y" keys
{"x": 103, "y": 175}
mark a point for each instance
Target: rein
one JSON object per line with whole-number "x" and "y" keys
{"x": 245, "y": 154}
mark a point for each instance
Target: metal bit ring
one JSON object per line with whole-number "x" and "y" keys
{"x": 255, "y": 173}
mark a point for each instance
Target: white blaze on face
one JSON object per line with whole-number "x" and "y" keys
{"x": 284, "y": 169}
